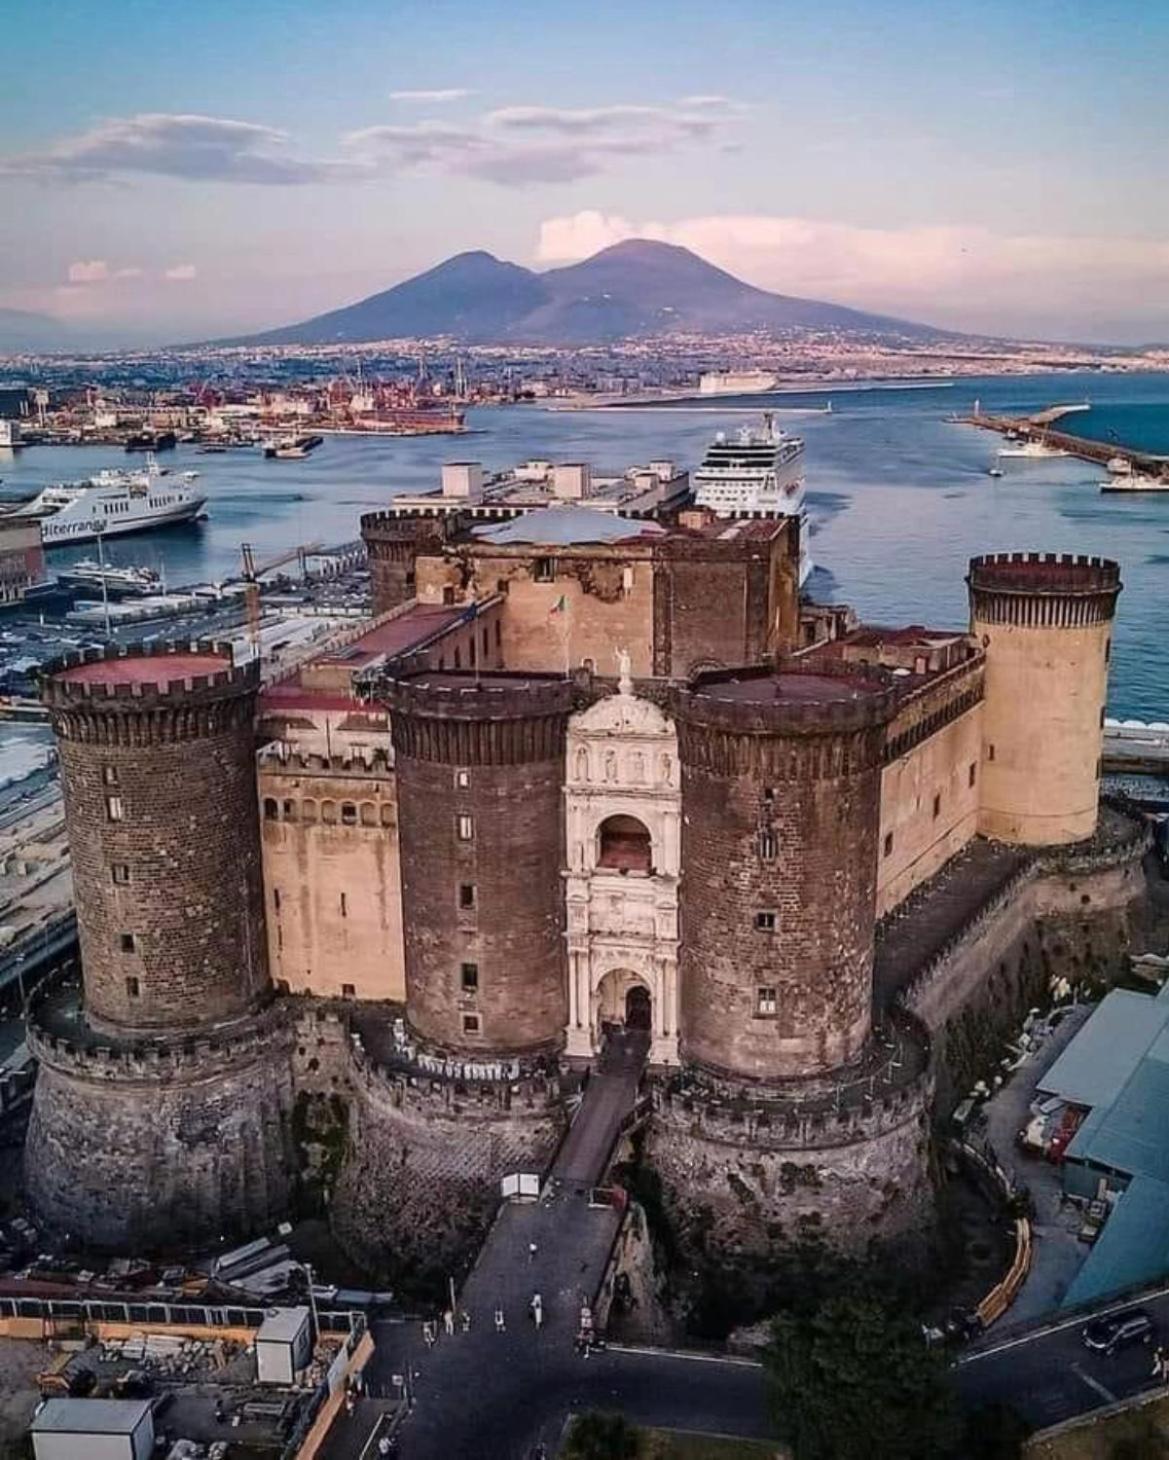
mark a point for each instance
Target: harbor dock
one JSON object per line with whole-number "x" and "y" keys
{"x": 1040, "y": 428}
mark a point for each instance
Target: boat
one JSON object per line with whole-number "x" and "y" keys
{"x": 111, "y": 504}
{"x": 1118, "y": 466}
{"x": 1135, "y": 483}
{"x": 994, "y": 471}
{"x": 756, "y": 473}
{"x": 151, "y": 441}
{"x": 292, "y": 448}
{"x": 89, "y": 573}
{"x": 1030, "y": 451}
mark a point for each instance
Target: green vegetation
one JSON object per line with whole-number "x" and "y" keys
{"x": 598, "y": 1435}
{"x": 1139, "y": 1433}
{"x": 601, "y": 1436}
{"x": 852, "y": 1379}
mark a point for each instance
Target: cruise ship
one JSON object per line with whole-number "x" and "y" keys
{"x": 756, "y": 473}
{"x": 113, "y": 503}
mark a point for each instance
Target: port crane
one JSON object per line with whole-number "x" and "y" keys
{"x": 253, "y": 571}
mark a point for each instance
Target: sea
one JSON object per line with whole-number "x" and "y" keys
{"x": 898, "y": 493}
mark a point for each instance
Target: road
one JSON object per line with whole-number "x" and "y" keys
{"x": 1049, "y": 1376}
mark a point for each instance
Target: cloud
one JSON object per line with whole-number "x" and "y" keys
{"x": 162, "y": 144}
{"x": 89, "y": 271}
{"x": 438, "y": 97}
{"x": 517, "y": 145}
{"x": 970, "y": 277}
{"x": 511, "y": 146}
{"x": 181, "y": 273}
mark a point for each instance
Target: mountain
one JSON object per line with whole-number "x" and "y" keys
{"x": 22, "y": 331}
{"x": 636, "y": 288}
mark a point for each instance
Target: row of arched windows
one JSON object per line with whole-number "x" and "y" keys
{"x": 329, "y": 813}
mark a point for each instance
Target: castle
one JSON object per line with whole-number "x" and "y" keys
{"x": 585, "y": 768}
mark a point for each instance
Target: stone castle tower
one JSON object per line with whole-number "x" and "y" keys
{"x": 1045, "y": 623}
{"x": 160, "y": 1103}
{"x": 469, "y": 1089}
{"x": 792, "y": 1105}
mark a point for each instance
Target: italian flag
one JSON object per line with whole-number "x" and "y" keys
{"x": 559, "y": 606}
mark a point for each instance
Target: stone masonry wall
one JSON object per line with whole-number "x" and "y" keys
{"x": 134, "y": 1156}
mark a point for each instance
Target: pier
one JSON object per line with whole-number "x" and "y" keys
{"x": 1038, "y": 427}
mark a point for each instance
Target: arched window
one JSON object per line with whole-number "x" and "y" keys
{"x": 368, "y": 813}
{"x": 308, "y": 811}
{"x": 348, "y": 813}
{"x": 329, "y": 813}
{"x": 624, "y": 844}
{"x": 387, "y": 814}
{"x": 290, "y": 811}
{"x": 271, "y": 809}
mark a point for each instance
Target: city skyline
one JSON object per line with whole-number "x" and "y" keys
{"x": 185, "y": 177}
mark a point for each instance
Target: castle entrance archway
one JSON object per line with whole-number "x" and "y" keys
{"x": 624, "y": 1001}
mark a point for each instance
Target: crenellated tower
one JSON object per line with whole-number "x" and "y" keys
{"x": 1045, "y": 622}
{"x": 164, "y": 1083}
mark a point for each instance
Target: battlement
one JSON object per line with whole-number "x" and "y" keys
{"x": 375, "y": 764}
{"x": 798, "y": 697}
{"x": 488, "y": 719}
{"x": 1043, "y": 590}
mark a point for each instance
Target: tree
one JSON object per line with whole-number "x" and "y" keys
{"x": 852, "y": 1379}
{"x": 599, "y": 1435}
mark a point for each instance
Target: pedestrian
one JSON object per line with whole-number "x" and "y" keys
{"x": 537, "y": 1307}
{"x": 500, "y": 1326}
{"x": 349, "y": 1402}
{"x": 448, "y": 1322}
{"x": 465, "y": 1320}
{"x": 428, "y": 1333}
{"x": 385, "y": 1445}
{"x": 532, "y": 1250}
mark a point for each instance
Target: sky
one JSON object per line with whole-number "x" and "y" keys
{"x": 174, "y": 171}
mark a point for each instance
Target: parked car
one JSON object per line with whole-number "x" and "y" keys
{"x": 1119, "y": 1330}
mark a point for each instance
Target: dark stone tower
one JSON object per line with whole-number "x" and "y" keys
{"x": 471, "y": 1093}
{"x": 393, "y": 544}
{"x": 797, "y": 1112}
{"x": 160, "y": 1104}
{"x": 480, "y": 766}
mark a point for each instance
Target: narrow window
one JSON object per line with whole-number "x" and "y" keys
{"x": 469, "y": 977}
{"x": 448, "y": 596}
{"x": 344, "y": 907}
{"x": 458, "y": 658}
{"x": 544, "y": 570}
{"x": 114, "y": 808}
{"x": 471, "y": 652}
{"x": 276, "y": 898}
{"x": 290, "y": 810}
{"x": 271, "y": 810}
{"x": 990, "y": 752}
{"x": 765, "y": 922}
{"x": 463, "y": 780}
{"x": 767, "y": 846}
{"x": 464, "y": 828}
{"x": 466, "y": 894}
{"x": 348, "y": 813}
{"x": 485, "y": 643}
{"x": 348, "y": 991}
{"x": 769, "y": 793}
{"x": 498, "y": 634}
{"x": 470, "y": 1023}
{"x": 127, "y": 941}
{"x": 937, "y": 806}
{"x": 133, "y": 988}
{"x": 766, "y": 1000}
{"x": 120, "y": 872}
{"x": 972, "y": 774}
{"x": 110, "y": 775}
{"x": 888, "y": 843}
{"x": 1107, "y": 650}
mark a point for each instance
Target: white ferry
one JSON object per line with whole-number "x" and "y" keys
{"x": 1030, "y": 451}
{"x": 88, "y": 573}
{"x": 756, "y": 473}
{"x": 113, "y": 503}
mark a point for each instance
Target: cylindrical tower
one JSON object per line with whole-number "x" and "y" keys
{"x": 392, "y": 545}
{"x": 158, "y": 770}
{"x": 1045, "y": 623}
{"x": 781, "y": 804}
{"x": 480, "y": 765}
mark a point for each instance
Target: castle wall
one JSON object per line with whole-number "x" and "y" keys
{"x": 741, "y": 1182}
{"x": 607, "y": 597}
{"x": 155, "y": 1149}
{"x": 916, "y": 839}
{"x": 332, "y": 877}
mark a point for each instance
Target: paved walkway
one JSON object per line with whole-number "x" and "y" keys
{"x": 490, "y": 1393}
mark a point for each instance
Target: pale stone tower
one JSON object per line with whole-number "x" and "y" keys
{"x": 1045, "y": 623}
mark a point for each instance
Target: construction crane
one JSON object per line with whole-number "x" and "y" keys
{"x": 253, "y": 571}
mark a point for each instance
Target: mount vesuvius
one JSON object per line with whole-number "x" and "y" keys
{"x": 639, "y": 288}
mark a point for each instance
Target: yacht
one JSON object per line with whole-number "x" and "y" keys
{"x": 1030, "y": 451}
{"x": 113, "y": 503}
{"x": 89, "y": 573}
{"x": 756, "y": 473}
